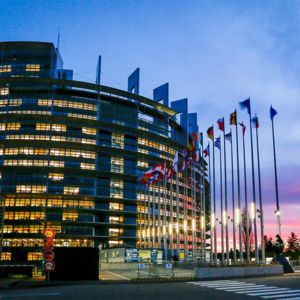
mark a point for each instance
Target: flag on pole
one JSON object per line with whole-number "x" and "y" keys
{"x": 255, "y": 123}
{"x": 183, "y": 165}
{"x": 201, "y": 138}
{"x": 191, "y": 143}
{"x": 246, "y": 104}
{"x": 206, "y": 151}
{"x": 210, "y": 132}
{"x": 218, "y": 143}
{"x": 221, "y": 124}
{"x": 175, "y": 162}
{"x": 195, "y": 136}
{"x": 243, "y": 128}
{"x": 273, "y": 112}
{"x": 228, "y": 137}
{"x": 233, "y": 118}
{"x": 184, "y": 152}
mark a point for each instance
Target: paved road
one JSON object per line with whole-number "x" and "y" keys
{"x": 286, "y": 287}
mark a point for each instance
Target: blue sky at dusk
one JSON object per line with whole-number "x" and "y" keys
{"x": 215, "y": 53}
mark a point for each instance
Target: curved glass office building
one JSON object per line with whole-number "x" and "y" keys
{"x": 71, "y": 154}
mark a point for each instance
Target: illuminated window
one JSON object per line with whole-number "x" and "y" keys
{"x": 81, "y": 116}
{"x": 87, "y": 130}
{"x": 59, "y": 127}
{"x": 115, "y": 219}
{"x": 87, "y": 166}
{"x": 6, "y": 256}
{"x": 88, "y": 141}
{"x": 117, "y": 164}
{"x": 15, "y": 102}
{"x": 4, "y": 91}
{"x": 5, "y": 68}
{"x": 142, "y": 164}
{"x": 117, "y": 140}
{"x": 30, "y": 189}
{"x": 56, "y": 164}
{"x": 35, "y": 256}
{"x": 56, "y": 176}
{"x": 115, "y": 231}
{"x": 33, "y": 67}
{"x": 3, "y": 102}
{"x": 45, "y": 102}
{"x": 116, "y": 206}
{"x": 13, "y": 126}
{"x": 71, "y": 190}
{"x": 70, "y": 216}
{"x": 116, "y": 188}
{"x": 42, "y": 126}
{"x": 115, "y": 243}
{"x": 55, "y": 202}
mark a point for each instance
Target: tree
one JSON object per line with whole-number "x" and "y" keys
{"x": 293, "y": 243}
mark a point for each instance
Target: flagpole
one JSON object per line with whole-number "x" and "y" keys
{"x": 153, "y": 217}
{"x": 246, "y": 203}
{"x": 203, "y": 221}
{"x": 171, "y": 217}
{"x": 233, "y": 204}
{"x": 276, "y": 182}
{"x": 215, "y": 209}
{"x": 221, "y": 196}
{"x": 185, "y": 224}
{"x": 149, "y": 209}
{"x": 145, "y": 227}
{"x": 260, "y": 202}
{"x": 193, "y": 212}
{"x": 177, "y": 214}
{"x": 212, "y": 221}
{"x": 164, "y": 212}
{"x": 239, "y": 191}
{"x": 140, "y": 213}
{"x": 159, "y": 218}
{"x": 226, "y": 205}
{"x": 253, "y": 192}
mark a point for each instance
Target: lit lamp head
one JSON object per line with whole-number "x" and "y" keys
{"x": 277, "y": 212}
{"x": 185, "y": 225}
{"x": 252, "y": 210}
{"x": 193, "y": 225}
{"x": 237, "y": 216}
{"x": 224, "y": 217}
{"x": 212, "y": 220}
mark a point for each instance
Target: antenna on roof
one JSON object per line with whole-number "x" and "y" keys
{"x": 58, "y": 38}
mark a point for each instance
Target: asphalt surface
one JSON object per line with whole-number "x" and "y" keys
{"x": 279, "y": 287}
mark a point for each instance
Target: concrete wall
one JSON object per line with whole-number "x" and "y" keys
{"x": 245, "y": 271}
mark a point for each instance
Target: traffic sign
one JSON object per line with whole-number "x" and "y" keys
{"x": 49, "y": 265}
{"x": 142, "y": 266}
{"x": 168, "y": 266}
{"x": 48, "y": 255}
{"x": 48, "y": 243}
{"x": 49, "y": 233}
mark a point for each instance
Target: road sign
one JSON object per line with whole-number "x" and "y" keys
{"x": 48, "y": 243}
{"x": 48, "y": 255}
{"x": 49, "y": 233}
{"x": 49, "y": 265}
{"x": 168, "y": 266}
{"x": 142, "y": 266}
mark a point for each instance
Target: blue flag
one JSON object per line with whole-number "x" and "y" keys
{"x": 228, "y": 137}
{"x": 273, "y": 112}
{"x": 246, "y": 104}
{"x": 218, "y": 143}
{"x": 255, "y": 123}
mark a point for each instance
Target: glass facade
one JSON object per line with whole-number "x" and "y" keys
{"x": 71, "y": 154}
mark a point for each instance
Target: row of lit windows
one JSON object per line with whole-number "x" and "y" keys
{"x": 70, "y": 216}
{"x": 23, "y": 228}
{"x": 155, "y": 145}
{"x": 33, "y": 67}
{"x": 117, "y": 164}
{"x": 87, "y": 166}
{"x": 54, "y": 127}
{"x": 116, "y": 219}
{"x": 33, "y": 163}
{"x": 53, "y": 152}
{"x": 48, "y": 138}
{"x": 116, "y": 190}
{"x": 10, "y": 102}
{"x": 51, "y": 202}
{"x": 56, "y": 176}
{"x": 115, "y": 231}
{"x": 5, "y": 68}
{"x": 71, "y": 190}
{"x": 68, "y": 104}
{"x": 24, "y": 215}
{"x": 31, "y": 188}
{"x": 39, "y": 243}
{"x": 10, "y": 126}
{"x": 26, "y": 112}
{"x": 4, "y": 91}
{"x": 142, "y": 164}
{"x": 116, "y": 206}
{"x": 88, "y": 130}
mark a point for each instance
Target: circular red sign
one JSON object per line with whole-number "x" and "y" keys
{"x": 48, "y": 255}
{"x": 49, "y": 233}
{"x": 49, "y": 265}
